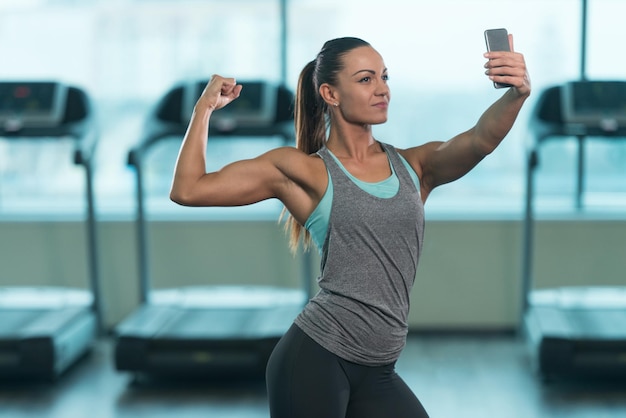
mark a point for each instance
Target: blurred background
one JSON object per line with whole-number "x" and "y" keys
{"x": 470, "y": 290}
{"x": 126, "y": 54}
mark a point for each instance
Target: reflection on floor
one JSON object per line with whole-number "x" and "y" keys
{"x": 466, "y": 376}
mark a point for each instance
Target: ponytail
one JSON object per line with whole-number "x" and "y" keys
{"x": 311, "y": 113}
{"x": 310, "y": 124}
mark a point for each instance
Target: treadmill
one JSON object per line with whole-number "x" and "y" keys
{"x": 45, "y": 330}
{"x": 207, "y": 331}
{"x": 575, "y": 331}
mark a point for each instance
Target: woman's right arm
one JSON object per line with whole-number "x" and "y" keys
{"x": 281, "y": 173}
{"x": 236, "y": 184}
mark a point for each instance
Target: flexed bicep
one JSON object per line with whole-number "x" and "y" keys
{"x": 240, "y": 183}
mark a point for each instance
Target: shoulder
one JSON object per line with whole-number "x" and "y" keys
{"x": 304, "y": 169}
{"x": 305, "y": 180}
{"x": 421, "y": 159}
{"x": 415, "y": 156}
{"x": 292, "y": 158}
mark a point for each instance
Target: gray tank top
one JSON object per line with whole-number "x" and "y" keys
{"x": 368, "y": 266}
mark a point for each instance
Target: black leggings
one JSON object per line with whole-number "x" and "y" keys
{"x": 304, "y": 380}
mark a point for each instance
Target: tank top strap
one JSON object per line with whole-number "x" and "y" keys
{"x": 398, "y": 166}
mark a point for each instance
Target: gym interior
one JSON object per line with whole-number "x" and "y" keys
{"x": 116, "y": 302}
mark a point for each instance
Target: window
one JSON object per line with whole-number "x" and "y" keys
{"x": 126, "y": 54}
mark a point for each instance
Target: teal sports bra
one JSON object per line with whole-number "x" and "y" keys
{"x": 317, "y": 224}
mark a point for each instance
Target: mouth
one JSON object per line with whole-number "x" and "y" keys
{"x": 382, "y": 105}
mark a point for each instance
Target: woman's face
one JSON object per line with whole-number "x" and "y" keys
{"x": 362, "y": 91}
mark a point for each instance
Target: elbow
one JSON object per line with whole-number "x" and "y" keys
{"x": 484, "y": 143}
{"x": 176, "y": 198}
{"x": 191, "y": 197}
{"x": 180, "y": 198}
{"x": 484, "y": 148}
{"x": 184, "y": 192}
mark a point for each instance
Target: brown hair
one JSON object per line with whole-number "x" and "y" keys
{"x": 311, "y": 112}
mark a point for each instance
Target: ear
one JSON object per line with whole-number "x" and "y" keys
{"x": 329, "y": 94}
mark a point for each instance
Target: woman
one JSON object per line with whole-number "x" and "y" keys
{"x": 361, "y": 202}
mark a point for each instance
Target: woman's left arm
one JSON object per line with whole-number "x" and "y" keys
{"x": 498, "y": 119}
{"x": 438, "y": 163}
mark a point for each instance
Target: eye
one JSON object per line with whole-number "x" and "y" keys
{"x": 385, "y": 77}
{"x": 365, "y": 79}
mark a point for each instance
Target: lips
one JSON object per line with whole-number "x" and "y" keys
{"x": 382, "y": 105}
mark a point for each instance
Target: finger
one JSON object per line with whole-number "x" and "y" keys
{"x": 214, "y": 85}
{"x": 228, "y": 83}
{"x": 237, "y": 90}
{"x": 507, "y": 74}
{"x": 511, "y": 42}
{"x": 505, "y": 59}
{"x": 219, "y": 91}
{"x": 216, "y": 80}
{"x": 230, "y": 94}
{"x": 229, "y": 86}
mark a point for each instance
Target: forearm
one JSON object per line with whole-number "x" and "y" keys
{"x": 496, "y": 122}
{"x": 191, "y": 162}
{"x": 498, "y": 119}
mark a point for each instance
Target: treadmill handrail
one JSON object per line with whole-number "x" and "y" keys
{"x": 165, "y": 123}
{"x": 547, "y": 124}
{"x": 77, "y": 123}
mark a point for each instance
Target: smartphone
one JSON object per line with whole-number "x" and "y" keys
{"x": 497, "y": 40}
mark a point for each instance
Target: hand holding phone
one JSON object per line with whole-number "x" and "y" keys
{"x": 498, "y": 40}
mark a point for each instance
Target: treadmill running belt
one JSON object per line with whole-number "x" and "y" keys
{"x": 605, "y": 324}
{"x": 13, "y": 321}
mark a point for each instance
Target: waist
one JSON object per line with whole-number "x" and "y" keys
{"x": 353, "y": 330}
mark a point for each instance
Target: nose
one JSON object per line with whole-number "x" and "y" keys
{"x": 383, "y": 90}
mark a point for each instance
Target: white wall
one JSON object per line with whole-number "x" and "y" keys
{"x": 468, "y": 278}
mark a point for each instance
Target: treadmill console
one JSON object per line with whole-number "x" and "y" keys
{"x": 595, "y": 103}
{"x": 31, "y": 104}
{"x": 255, "y": 107}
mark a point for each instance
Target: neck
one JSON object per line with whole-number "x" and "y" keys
{"x": 352, "y": 141}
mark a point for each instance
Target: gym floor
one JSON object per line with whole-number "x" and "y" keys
{"x": 466, "y": 375}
